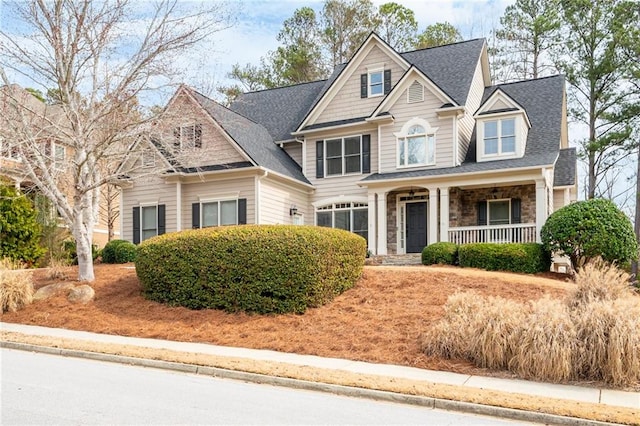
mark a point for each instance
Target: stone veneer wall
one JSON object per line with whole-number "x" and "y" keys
{"x": 463, "y": 203}
{"x": 392, "y": 222}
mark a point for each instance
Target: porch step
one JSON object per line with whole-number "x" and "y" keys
{"x": 401, "y": 259}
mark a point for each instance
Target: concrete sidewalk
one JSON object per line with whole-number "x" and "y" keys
{"x": 628, "y": 400}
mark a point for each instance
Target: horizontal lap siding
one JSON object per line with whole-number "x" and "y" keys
{"x": 294, "y": 150}
{"x": 347, "y": 103}
{"x": 193, "y": 192}
{"x": 403, "y": 112}
{"x": 277, "y": 198}
{"x": 150, "y": 190}
{"x": 467, "y": 123}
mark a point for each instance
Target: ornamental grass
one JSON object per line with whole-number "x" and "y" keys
{"x": 16, "y": 286}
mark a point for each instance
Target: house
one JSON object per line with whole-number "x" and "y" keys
{"x": 24, "y": 116}
{"x": 404, "y": 149}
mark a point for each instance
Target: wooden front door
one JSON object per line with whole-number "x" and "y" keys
{"x": 416, "y": 227}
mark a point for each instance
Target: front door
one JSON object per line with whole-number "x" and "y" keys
{"x": 416, "y": 228}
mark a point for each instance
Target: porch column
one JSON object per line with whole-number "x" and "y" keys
{"x": 433, "y": 215}
{"x": 372, "y": 242}
{"x": 178, "y": 206}
{"x": 382, "y": 223}
{"x": 541, "y": 207}
{"x": 444, "y": 214}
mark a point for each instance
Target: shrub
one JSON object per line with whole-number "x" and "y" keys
{"x": 440, "y": 253}
{"x": 19, "y": 229}
{"x": 587, "y": 229}
{"x": 253, "y": 268}
{"x": 120, "y": 252}
{"x": 593, "y": 335}
{"x": 71, "y": 253}
{"x": 16, "y": 287}
{"x": 527, "y": 257}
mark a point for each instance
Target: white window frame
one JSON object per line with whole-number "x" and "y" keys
{"x": 58, "y": 162}
{"x": 481, "y": 138}
{"x": 403, "y": 137}
{"x": 343, "y": 170}
{"x": 142, "y": 229}
{"x": 370, "y": 73}
{"x": 189, "y": 130}
{"x": 500, "y": 200}
{"x": 7, "y": 149}
{"x": 344, "y": 206}
{"x": 219, "y": 202}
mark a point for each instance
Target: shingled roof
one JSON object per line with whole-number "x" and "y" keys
{"x": 564, "y": 173}
{"x": 253, "y": 138}
{"x": 542, "y": 99}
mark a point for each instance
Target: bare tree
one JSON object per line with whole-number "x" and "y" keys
{"x": 99, "y": 57}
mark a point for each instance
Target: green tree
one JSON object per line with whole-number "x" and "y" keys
{"x": 529, "y": 31}
{"x": 19, "y": 228}
{"x": 345, "y": 25}
{"x": 397, "y": 26}
{"x": 438, "y": 34}
{"x": 588, "y": 229}
{"x": 594, "y": 62}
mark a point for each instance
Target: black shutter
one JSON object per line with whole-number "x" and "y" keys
{"x": 161, "y": 219}
{"x": 387, "y": 81}
{"x": 176, "y": 138}
{"x": 482, "y": 213}
{"x": 366, "y": 153}
{"x": 364, "y": 79}
{"x": 516, "y": 215}
{"x": 195, "y": 215}
{"x": 319, "y": 159}
{"x": 242, "y": 211}
{"x": 136, "y": 225}
{"x": 198, "y": 136}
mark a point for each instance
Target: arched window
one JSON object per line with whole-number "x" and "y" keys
{"x": 416, "y": 144}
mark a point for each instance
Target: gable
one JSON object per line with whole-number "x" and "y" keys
{"x": 343, "y": 101}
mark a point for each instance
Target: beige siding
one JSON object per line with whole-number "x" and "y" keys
{"x": 347, "y": 103}
{"x": 148, "y": 190}
{"x": 276, "y": 198}
{"x": 403, "y": 112}
{"x": 339, "y": 185}
{"x": 216, "y": 148}
{"x": 219, "y": 188}
{"x": 500, "y": 104}
{"x": 294, "y": 149}
{"x": 558, "y": 199}
{"x": 467, "y": 123}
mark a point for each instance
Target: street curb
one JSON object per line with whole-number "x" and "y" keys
{"x": 423, "y": 401}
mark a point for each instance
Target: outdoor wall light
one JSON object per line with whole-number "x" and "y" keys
{"x": 293, "y": 210}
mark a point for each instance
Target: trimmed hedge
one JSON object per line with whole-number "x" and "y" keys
{"x": 440, "y": 253}
{"x": 252, "y": 268}
{"x": 119, "y": 251}
{"x": 528, "y": 258}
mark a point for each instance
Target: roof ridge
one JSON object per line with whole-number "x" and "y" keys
{"x": 223, "y": 107}
{"x": 285, "y": 87}
{"x": 444, "y": 45}
{"x": 528, "y": 80}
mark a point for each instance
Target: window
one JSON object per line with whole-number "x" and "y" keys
{"x": 8, "y": 151}
{"x": 376, "y": 83}
{"x": 500, "y": 137}
{"x": 59, "y": 155}
{"x": 349, "y": 216}
{"x": 343, "y": 156}
{"x": 219, "y": 213}
{"x": 417, "y": 147}
{"x": 149, "y": 222}
{"x": 188, "y": 137}
{"x": 499, "y": 212}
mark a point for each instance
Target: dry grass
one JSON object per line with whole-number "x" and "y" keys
{"x": 58, "y": 269}
{"x": 593, "y": 334}
{"x": 16, "y": 286}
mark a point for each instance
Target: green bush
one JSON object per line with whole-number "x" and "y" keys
{"x": 527, "y": 258}
{"x": 119, "y": 251}
{"x": 252, "y": 268}
{"x": 440, "y": 253}
{"x": 70, "y": 254}
{"x": 589, "y": 229}
{"x": 19, "y": 229}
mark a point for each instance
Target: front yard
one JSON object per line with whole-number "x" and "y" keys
{"x": 379, "y": 320}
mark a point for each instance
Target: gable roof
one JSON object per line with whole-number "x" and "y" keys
{"x": 281, "y": 110}
{"x": 542, "y": 99}
{"x": 252, "y": 138}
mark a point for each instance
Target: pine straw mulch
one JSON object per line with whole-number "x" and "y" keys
{"x": 379, "y": 320}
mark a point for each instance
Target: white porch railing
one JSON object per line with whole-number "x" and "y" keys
{"x": 515, "y": 233}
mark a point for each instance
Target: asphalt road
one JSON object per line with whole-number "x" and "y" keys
{"x": 39, "y": 388}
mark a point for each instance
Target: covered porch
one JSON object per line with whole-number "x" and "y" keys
{"x": 407, "y": 216}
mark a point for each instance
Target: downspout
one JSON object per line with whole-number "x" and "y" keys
{"x": 304, "y": 156}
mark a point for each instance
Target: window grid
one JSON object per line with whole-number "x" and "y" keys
{"x": 351, "y": 216}
{"x": 499, "y": 137}
{"x": 376, "y": 83}
{"x": 416, "y": 148}
{"x": 218, "y": 213}
{"x": 343, "y": 156}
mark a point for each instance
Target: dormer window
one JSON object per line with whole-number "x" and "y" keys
{"x": 188, "y": 137}
{"x": 500, "y": 137}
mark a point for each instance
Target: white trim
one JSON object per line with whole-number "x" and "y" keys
{"x": 121, "y": 216}
{"x": 404, "y": 136}
{"x": 219, "y": 202}
{"x": 340, "y": 199}
{"x": 376, "y": 70}
{"x": 342, "y": 156}
{"x": 498, "y": 200}
{"x": 221, "y": 197}
{"x": 401, "y": 218}
{"x": 518, "y": 142}
{"x": 178, "y": 206}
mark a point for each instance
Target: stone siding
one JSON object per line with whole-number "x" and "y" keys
{"x": 463, "y": 203}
